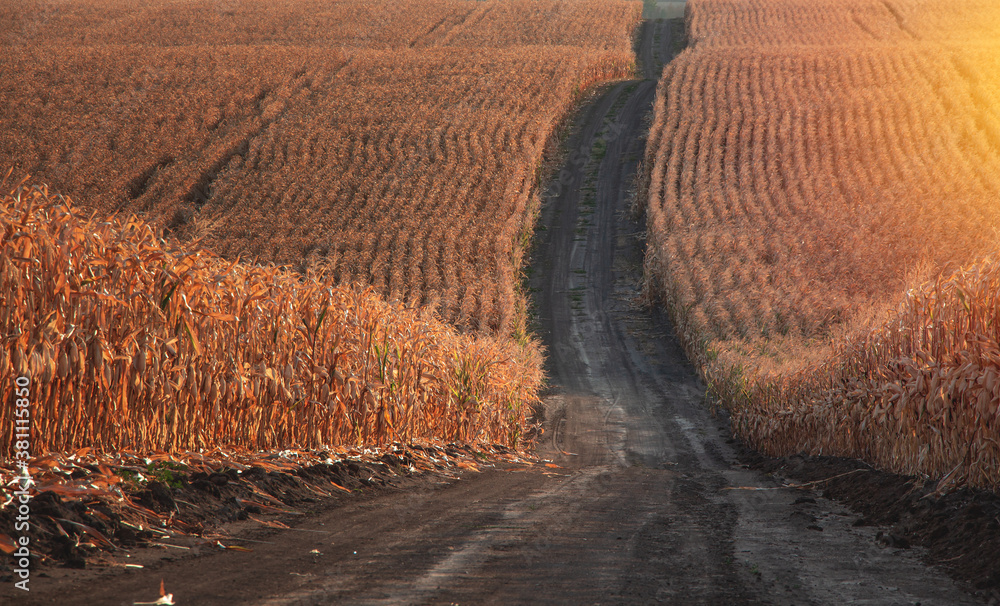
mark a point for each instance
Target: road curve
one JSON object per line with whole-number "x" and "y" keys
{"x": 650, "y": 504}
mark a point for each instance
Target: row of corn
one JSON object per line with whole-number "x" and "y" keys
{"x": 919, "y": 395}
{"x": 130, "y": 343}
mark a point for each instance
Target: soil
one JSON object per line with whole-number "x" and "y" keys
{"x": 640, "y": 494}
{"x": 958, "y": 531}
{"x": 191, "y": 503}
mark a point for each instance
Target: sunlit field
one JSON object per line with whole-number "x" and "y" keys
{"x": 823, "y": 207}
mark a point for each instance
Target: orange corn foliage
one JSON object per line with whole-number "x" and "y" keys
{"x": 809, "y": 163}
{"x": 918, "y": 395}
{"x": 342, "y": 24}
{"x": 393, "y": 144}
{"x": 787, "y": 23}
{"x": 428, "y": 198}
{"x": 133, "y": 344}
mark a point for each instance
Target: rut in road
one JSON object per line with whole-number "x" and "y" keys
{"x": 650, "y": 504}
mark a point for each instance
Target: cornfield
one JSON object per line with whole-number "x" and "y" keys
{"x": 344, "y": 24}
{"x": 826, "y": 23}
{"x": 811, "y": 165}
{"x": 427, "y": 199}
{"x": 389, "y": 144}
{"x": 918, "y": 395}
{"x": 132, "y": 343}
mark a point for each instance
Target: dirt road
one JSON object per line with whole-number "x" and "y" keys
{"x": 650, "y": 504}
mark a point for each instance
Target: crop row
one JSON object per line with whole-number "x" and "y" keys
{"x": 853, "y": 24}
{"x": 917, "y": 395}
{"x": 132, "y": 344}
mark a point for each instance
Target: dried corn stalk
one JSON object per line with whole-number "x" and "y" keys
{"x": 133, "y": 344}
